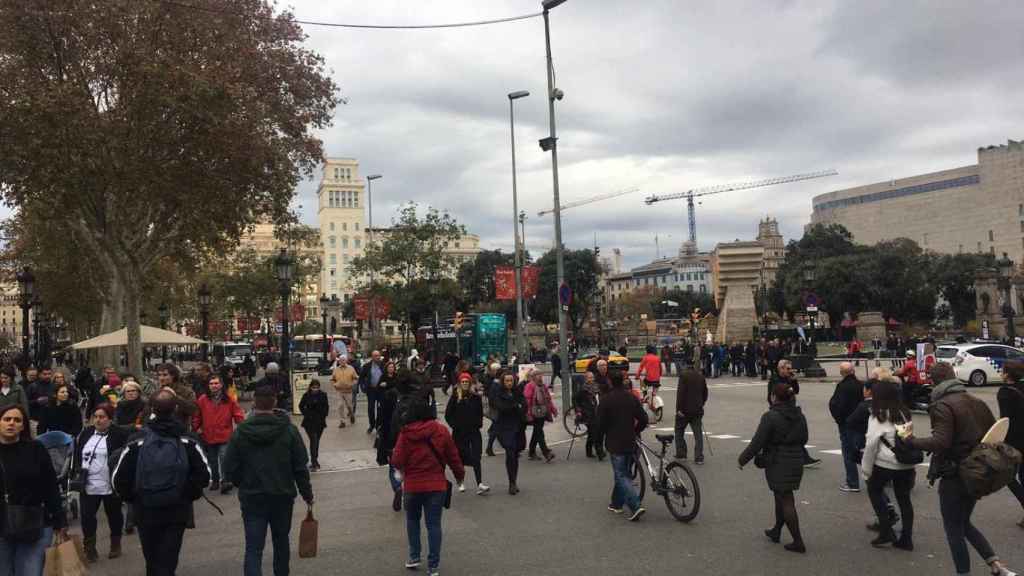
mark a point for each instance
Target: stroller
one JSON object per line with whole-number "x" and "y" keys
{"x": 61, "y": 447}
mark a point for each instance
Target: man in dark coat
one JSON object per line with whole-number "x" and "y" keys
{"x": 848, "y": 394}
{"x": 690, "y": 399}
{"x": 620, "y": 419}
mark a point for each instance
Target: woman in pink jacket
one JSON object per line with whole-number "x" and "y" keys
{"x": 214, "y": 421}
{"x": 540, "y": 408}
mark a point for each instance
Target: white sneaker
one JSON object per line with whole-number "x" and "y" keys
{"x": 482, "y": 489}
{"x": 462, "y": 487}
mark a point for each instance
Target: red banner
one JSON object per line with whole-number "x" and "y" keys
{"x": 297, "y": 313}
{"x": 362, "y": 305}
{"x": 504, "y": 283}
{"x": 531, "y": 281}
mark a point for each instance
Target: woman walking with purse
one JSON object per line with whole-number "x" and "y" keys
{"x": 540, "y": 407}
{"x": 32, "y": 510}
{"x": 778, "y": 446}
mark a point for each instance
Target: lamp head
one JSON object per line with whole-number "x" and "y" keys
{"x": 518, "y": 94}
{"x": 373, "y": 177}
{"x": 549, "y": 4}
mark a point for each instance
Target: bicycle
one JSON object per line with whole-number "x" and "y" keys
{"x": 675, "y": 482}
{"x": 652, "y": 402}
{"x": 576, "y": 420}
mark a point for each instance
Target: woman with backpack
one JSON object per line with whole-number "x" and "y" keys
{"x": 778, "y": 446}
{"x": 423, "y": 449}
{"x": 465, "y": 415}
{"x": 1011, "y": 405}
{"x": 540, "y": 407}
{"x": 881, "y": 466}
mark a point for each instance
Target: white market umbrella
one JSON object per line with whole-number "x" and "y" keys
{"x": 150, "y": 336}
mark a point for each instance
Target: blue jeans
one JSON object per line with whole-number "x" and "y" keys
{"x": 428, "y": 504}
{"x": 24, "y": 558}
{"x": 848, "y": 443}
{"x": 215, "y": 458}
{"x": 257, "y": 514}
{"x": 623, "y": 492}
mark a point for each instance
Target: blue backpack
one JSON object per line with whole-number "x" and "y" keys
{"x": 161, "y": 471}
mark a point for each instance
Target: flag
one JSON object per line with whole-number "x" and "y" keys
{"x": 531, "y": 281}
{"x": 504, "y": 283}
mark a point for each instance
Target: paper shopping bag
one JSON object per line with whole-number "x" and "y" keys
{"x": 63, "y": 560}
{"x": 308, "y": 536}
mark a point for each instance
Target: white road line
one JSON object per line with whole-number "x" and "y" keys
{"x": 835, "y": 452}
{"x": 724, "y": 437}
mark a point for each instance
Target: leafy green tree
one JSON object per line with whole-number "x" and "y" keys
{"x": 148, "y": 130}
{"x": 581, "y": 272}
{"x": 899, "y": 283}
{"x": 953, "y": 276}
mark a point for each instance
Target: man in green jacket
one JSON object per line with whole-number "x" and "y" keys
{"x": 267, "y": 460}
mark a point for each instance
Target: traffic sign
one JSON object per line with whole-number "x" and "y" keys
{"x": 811, "y": 300}
{"x": 564, "y": 294}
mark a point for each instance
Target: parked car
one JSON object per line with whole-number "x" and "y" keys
{"x": 980, "y": 363}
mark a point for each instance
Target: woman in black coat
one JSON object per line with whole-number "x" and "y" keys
{"x": 465, "y": 414}
{"x": 510, "y": 406}
{"x": 779, "y": 442}
{"x": 314, "y": 408}
{"x": 61, "y": 413}
{"x": 1011, "y": 405}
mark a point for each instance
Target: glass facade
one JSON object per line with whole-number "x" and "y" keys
{"x": 900, "y": 192}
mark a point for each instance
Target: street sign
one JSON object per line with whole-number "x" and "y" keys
{"x": 564, "y": 295}
{"x": 811, "y": 301}
{"x": 812, "y": 308}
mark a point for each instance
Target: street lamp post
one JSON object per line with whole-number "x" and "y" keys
{"x": 512, "y": 97}
{"x": 204, "y": 316}
{"x": 285, "y": 268}
{"x": 37, "y": 317}
{"x": 1005, "y": 277}
{"x": 324, "y": 302}
{"x": 26, "y": 289}
{"x": 165, "y": 315}
{"x": 813, "y": 369}
{"x": 551, "y": 144}
{"x": 373, "y": 299}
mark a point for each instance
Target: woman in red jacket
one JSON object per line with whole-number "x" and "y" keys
{"x": 214, "y": 421}
{"x": 421, "y": 452}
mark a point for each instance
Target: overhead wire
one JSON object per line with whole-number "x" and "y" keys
{"x": 360, "y": 26}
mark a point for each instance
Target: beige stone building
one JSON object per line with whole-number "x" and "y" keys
{"x": 976, "y": 208}
{"x": 10, "y": 314}
{"x": 261, "y": 240}
{"x": 774, "y": 249}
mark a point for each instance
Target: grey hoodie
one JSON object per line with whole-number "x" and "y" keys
{"x": 947, "y": 387}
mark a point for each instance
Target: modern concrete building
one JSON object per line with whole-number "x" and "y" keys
{"x": 976, "y": 208}
{"x": 736, "y": 271}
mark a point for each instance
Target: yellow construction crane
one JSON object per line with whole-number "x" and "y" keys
{"x": 597, "y": 198}
{"x": 707, "y": 190}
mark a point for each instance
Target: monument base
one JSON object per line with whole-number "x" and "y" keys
{"x": 738, "y": 316}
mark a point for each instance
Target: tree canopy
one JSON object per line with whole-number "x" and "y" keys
{"x": 581, "y": 273}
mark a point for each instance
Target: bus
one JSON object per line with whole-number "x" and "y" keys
{"x": 233, "y": 352}
{"x": 308, "y": 350}
{"x": 481, "y": 335}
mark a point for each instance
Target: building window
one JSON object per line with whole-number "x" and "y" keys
{"x": 331, "y": 272}
{"x": 979, "y": 246}
{"x": 336, "y": 176}
{"x": 355, "y": 200}
{"x": 1020, "y": 209}
{"x": 689, "y": 287}
{"x": 456, "y": 244}
{"x": 357, "y": 242}
{"x": 332, "y": 226}
{"x": 703, "y": 288}
{"x": 344, "y": 243}
{"x": 960, "y": 249}
{"x": 991, "y": 237}
{"x": 331, "y": 241}
{"x": 925, "y": 239}
{"x": 357, "y": 227}
{"x": 333, "y": 259}
{"x": 991, "y": 249}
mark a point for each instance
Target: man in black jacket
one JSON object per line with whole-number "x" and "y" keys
{"x": 690, "y": 399}
{"x": 161, "y": 528}
{"x": 620, "y": 420}
{"x": 848, "y": 394}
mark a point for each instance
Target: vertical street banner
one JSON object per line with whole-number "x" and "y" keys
{"x": 504, "y": 283}
{"x": 382, "y": 307}
{"x": 531, "y": 281}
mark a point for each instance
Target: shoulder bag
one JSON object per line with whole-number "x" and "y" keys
{"x": 23, "y": 523}
{"x": 905, "y": 454}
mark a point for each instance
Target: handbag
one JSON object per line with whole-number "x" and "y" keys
{"x": 22, "y": 523}
{"x": 540, "y": 403}
{"x": 308, "y": 531}
{"x": 905, "y": 454}
{"x": 448, "y": 483}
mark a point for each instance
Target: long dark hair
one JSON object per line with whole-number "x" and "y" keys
{"x": 1014, "y": 370}
{"x": 26, "y": 426}
{"x": 886, "y": 404}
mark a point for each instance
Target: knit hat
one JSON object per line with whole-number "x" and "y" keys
{"x": 465, "y": 376}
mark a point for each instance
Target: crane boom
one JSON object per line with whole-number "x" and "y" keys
{"x": 718, "y": 189}
{"x": 598, "y": 198}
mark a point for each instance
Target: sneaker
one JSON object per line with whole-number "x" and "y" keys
{"x": 699, "y": 461}
{"x": 549, "y": 456}
{"x": 434, "y": 572}
{"x": 812, "y": 463}
{"x": 848, "y": 488}
{"x": 636, "y": 515}
{"x": 482, "y": 489}
{"x": 462, "y": 487}
{"x": 413, "y": 564}
{"x": 614, "y": 509}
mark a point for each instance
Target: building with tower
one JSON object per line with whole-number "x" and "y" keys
{"x": 341, "y": 215}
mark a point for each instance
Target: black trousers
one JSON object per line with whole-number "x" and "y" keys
{"x": 111, "y": 506}
{"x": 372, "y": 400}
{"x": 314, "y": 444}
{"x": 161, "y": 546}
{"x": 537, "y": 438}
{"x": 470, "y": 445}
{"x": 902, "y": 483}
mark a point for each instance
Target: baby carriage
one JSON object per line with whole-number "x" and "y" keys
{"x": 61, "y": 447}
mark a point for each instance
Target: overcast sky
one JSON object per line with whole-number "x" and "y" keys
{"x": 663, "y": 95}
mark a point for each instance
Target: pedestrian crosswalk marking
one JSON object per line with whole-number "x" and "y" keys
{"x": 836, "y": 452}
{"x": 724, "y": 436}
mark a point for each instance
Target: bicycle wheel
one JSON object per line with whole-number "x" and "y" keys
{"x": 682, "y": 494}
{"x": 659, "y": 414}
{"x": 639, "y": 477}
{"x": 574, "y": 422}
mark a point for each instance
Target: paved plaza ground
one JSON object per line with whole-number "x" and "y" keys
{"x": 559, "y": 524}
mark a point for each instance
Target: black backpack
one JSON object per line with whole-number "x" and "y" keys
{"x": 161, "y": 471}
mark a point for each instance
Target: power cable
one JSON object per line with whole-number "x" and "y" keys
{"x": 361, "y": 26}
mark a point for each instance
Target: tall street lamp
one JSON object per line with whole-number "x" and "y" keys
{"x": 165, "y": 315}
{"x": 204, "y": 314}
{"x": 813, "y": 369}
{"x": 37, "y": 317}
{"x": 284, "y": 265}
{"x": 551, "y": 144}
{"x": 324, "y": 303}
{"x": 1005, "y": 266}
{"x": 520, "y": 344}
{"x": 26, "y": 289}
{"x": 373, "y": 299}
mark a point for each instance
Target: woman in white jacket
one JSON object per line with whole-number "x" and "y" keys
{"x": 880, "y": 466}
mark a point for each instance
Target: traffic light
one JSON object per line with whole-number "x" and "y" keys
{"x": 597, "y": 253}
{"x": 457, "y": 323}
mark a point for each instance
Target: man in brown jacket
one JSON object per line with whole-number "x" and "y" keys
{"x": 344, "y": 378}
{"x": 690, "y": 399}
{"x": 959, "y": 421}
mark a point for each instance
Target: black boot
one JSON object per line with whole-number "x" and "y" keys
{"x": 91, "y": 554}
{"x": 115, "y": 547}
